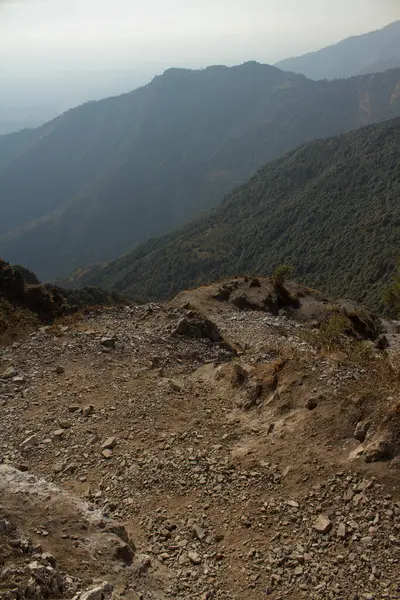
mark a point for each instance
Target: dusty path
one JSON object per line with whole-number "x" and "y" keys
{"x": 219, "y": 473}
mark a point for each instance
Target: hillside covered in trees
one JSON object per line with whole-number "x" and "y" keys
{"x": 330, "y": 209}
{"x": 108, "y": 175}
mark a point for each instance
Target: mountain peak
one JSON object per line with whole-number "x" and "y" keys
{"x": 366, "y": 53}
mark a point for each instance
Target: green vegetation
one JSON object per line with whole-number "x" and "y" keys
{"x": 335, "y": 331}
{"x": 108, "y": 175}
{"x": 337, "y": 335}
{"x": 391, "y": 293}
{"x": 90, "y": 296}
{"x": 280, "y": 275}
{"x": 330, "y": 208}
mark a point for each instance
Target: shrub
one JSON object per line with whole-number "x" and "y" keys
{"x": 391, "y": 294}
{"x": 280, "y": 275}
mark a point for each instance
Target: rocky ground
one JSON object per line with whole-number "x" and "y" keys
{"x": 198, "y": 450}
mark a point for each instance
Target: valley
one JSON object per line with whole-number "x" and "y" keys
{"x": 329, "y": 210}
{"x": 111, "y": 174}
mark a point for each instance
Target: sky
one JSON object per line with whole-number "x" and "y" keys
{"x": 60, "y": 51}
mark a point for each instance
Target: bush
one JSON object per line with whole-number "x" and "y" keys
{"x": 391, "y": 294}
{"x": 334, "y": 332}
{"x": 280, "y": 275}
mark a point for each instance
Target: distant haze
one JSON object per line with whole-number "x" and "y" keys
{"x": 55, "y": 54}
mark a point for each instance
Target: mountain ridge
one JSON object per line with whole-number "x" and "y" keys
{"x": 111, "y": 174}
{"x": 365, "y": 53}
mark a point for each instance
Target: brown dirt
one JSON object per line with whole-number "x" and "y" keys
{"x": 201, "y": 442}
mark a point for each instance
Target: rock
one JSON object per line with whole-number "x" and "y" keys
{"x": 175, "y": 386}
{"x": 108, "y": 342}
{"x": 239, "y": 375}
{"x": 341, "y": 531}
{"x": 109, "y": 444}
{"x": 98, "y": 593}
{"x": 183, "y": 559}
{"x": 194, "y": 558}
{"x": 311, "y": 404}
{"x": 10, "y": 373}
{"x": 348, "y": 495}
{"x": 71, "y": 468}
{"x": 251, "y": 396}
{"x": 58, "y": 434}
{"x": 182, "y": 326}
{"x": 379, "y": 451}
{"x": 143, "y": 563}
{"x": 361, "y": 430}
{"x": 60, "y": 370}
{"x": 29, "y": 442}
{"x": 198, "y": 327}
{"x": 48, "y": 557}
{"x": 121, "y": 532}
{"x": 124, "y": 552}
{"x": 199, "y": 532}
{"x": 22, "y": 467}
{"x": 87, "y": 410}
{"x": 107, "y": 453}
{"x": 382, "y": 343}
{"x": 322, "y": 524}
{"x": 5, "y": 526}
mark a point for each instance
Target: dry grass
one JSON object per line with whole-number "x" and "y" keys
{"x": 15, "y": 323}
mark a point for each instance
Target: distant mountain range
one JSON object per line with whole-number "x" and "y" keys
{"x": 368, "y": 53}
{"x": 108, "y": 175}
{"x": 330, "y": 209}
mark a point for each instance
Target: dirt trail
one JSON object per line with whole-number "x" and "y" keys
{"x": 175, "y": 466}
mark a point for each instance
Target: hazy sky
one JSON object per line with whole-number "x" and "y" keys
{"x": 52, "y": 41}
{"x": 101, "y": 34}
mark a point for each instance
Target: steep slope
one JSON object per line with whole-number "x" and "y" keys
{"x": 367, "y": 53}
{"x": 11, "y": 146}
{"x": 330, "y": 209}
{"x": 110, "y": 174}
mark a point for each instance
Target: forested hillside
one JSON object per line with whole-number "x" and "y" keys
{"x": 330, "y": 209}
{"x": 107, "y": 175}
